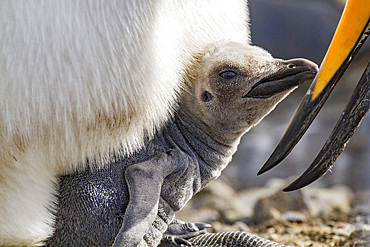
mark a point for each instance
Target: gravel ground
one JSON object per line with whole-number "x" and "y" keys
{"x": 310, "y": 217}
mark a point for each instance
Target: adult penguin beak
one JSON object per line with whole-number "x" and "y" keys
{"x": 351, "y": 33}
{"x": 350, "y": 120}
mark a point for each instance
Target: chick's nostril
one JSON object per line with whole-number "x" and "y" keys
{"x": 301, "y": 63}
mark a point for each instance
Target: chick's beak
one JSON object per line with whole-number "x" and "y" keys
{"x": 293, "y": 73}
{"x": 351, "y": 33}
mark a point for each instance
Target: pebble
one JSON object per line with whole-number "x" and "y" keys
{"x": 272, "y": 207}
{"x": 293, "y": 216}
{"x": 360, "y": 237}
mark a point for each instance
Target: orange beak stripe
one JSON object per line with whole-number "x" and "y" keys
{"x": 354, "y": 19}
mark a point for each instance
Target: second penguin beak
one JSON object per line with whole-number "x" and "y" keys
{"x": 351, "y": 33}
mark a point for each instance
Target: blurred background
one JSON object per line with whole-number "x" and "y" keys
{"x": 333, "y": 211}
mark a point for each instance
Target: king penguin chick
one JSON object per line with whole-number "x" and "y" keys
{"x": 81, "y": 81}
{"x": 229, "y": 88}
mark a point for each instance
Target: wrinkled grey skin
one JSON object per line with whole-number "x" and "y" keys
{"x": 132, "y": 201}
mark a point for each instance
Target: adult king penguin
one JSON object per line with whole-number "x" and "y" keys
{"x": 82, "y": 81}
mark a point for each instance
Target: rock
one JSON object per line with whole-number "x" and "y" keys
{"x": 360, "y": 207}
{"x": 272, "y": 207}
{"x": 360, "y": 237}
{"x": 293, "y": 216}
{"x": 211, "y": 204}
{"x": 242, "y": 226}
{"x": 324, "y": 200}
{"x": 246, "y": 200}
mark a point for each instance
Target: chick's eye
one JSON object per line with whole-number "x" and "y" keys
{"x": 228, "y": 75}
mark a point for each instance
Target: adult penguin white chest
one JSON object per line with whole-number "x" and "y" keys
{"x": 83, "y": 80}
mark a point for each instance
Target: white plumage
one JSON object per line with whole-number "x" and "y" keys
{"x": 80, "y": 80}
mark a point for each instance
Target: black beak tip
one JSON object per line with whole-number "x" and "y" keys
{"x": 291, "y": 187}
{"x": 314, "y": 172}
{"x": 260, "y": 172}
{"x": 296, "y": 185}
{"x": 276, "y": 157}
{"x": 266, "y": 167}
{"x": 299, "y": 183}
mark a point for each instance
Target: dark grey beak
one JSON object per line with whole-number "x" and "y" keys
{"x": 294, "y": 73}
